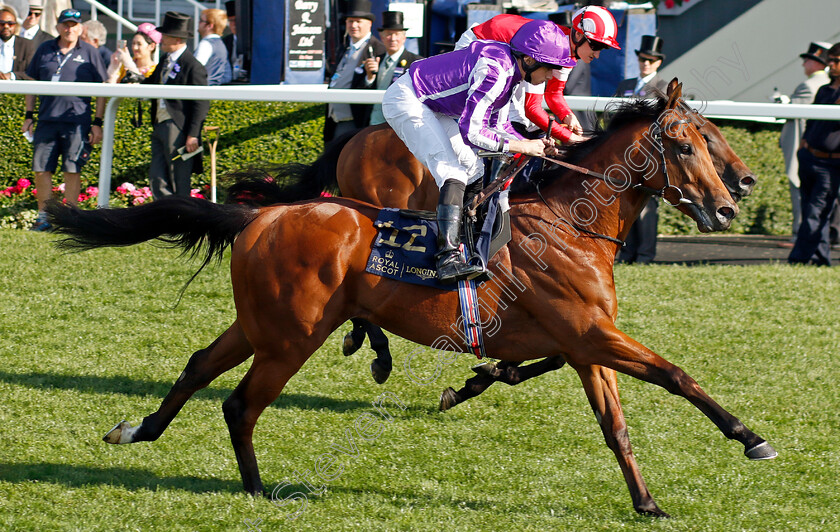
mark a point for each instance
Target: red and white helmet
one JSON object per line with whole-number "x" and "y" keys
{"x": 596, "y": 24}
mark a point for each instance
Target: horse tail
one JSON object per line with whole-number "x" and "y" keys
{"x": 289, "y": 182}
{"x": 195, "y": 225}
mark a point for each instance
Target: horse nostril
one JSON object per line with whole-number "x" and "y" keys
{"x": 727, "y": 213}
{"x": 747, "y": 181}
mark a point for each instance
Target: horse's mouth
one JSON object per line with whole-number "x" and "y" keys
{"x": 721, "y": 220}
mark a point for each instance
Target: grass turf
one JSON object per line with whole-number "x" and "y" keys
{"x": 89, "y": 339}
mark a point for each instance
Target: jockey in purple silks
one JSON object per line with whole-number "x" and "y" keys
{"x": 450, "y": 105}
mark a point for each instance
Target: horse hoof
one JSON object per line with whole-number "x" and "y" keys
{"x": 487, "y": 370}
{"x": 762, "y": 451}
{"x": 348, "y": 347}
{"x": 448, "y": 399}
{"x": 118, "y": 434}
{"x": 380, "y": 374}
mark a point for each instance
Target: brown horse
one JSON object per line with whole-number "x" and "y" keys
{"x": 375, "y": 166}
{"x": 298, "y": 273}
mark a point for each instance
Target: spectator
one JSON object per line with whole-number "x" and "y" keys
{"x": 819, "y": 174}
{"x": 382, "y": 70}
{"x": 233, "y": 46}
{"x": 50, "y": 17}
{"x": 65, "y": 128}
{"x": 177, "y": 123}
{"x": 31, "y": 27}
{"x": 132, "y": 68}
{"x": 362, "y": 45}
{"x": 95, "y": 34}
{"x": 15, "y": 52}
{"x": 640, "y": 246}
{"x": 813, "y": 61}
{"x": 211, "y": 50}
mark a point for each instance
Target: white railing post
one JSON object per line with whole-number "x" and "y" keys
{"x": 106, "y": 160}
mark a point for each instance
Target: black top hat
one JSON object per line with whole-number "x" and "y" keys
{"x": 392, "y": 20}
{"x": 230, "y": 8}
{"x": 651, "y": 45}
{"x": 176, "y": 25}
{"x": 563, "y": 18}
{"x": 817, "y": 51}
{"x": 359, "y": 9}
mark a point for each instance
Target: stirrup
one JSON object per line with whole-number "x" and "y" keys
{"x": 451, "y": 271}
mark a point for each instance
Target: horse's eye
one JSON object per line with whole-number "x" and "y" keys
{"x": 685, "y": 149}
{"x": 705, "y": 137}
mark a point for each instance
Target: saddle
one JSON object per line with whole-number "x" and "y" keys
{"x": 406, "y": 242}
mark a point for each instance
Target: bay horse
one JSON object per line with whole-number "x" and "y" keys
{"x": 375, "y": 166}
{"x": 298, "y": 273}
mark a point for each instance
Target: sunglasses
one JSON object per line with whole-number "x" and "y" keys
{"x": 832, "y": 60}
{"x": 648, "y": 60}
{"x": 8, "y": 23}
{"x": 34, "y": 13}
{"x": 596, "y": 46}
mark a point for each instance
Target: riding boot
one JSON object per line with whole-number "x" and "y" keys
{"x": 450, "y": 263}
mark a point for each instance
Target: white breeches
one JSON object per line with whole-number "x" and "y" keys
{"x": 433, "y": 138}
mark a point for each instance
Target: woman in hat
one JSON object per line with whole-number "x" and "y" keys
{"x": 450, "y": 105}
{"x": 132, "y": 68}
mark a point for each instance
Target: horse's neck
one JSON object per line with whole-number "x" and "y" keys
{"x": 589, "y": 203}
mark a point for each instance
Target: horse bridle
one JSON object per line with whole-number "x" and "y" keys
{"x": 659, "y": 146}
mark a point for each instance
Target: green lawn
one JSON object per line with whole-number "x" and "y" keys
{"x": 89, "y": 339}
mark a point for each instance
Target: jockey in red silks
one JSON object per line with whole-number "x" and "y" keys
{"x": 450, "y": 105}
{"x": 593, "y": 29}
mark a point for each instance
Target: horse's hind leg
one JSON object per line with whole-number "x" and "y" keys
{"x": 513, "y": 374}
{"x": 486, "y": 375}
{"x": 260, "y": 386}
{"x": 602, "y": 392}
{"x": 227, "y": 351}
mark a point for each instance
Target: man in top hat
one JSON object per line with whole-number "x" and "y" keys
{"x": 361, "y": 45}
{"x": 177, "y": 123}
{"x": 640, "y": 246}
{"x": 236, "y": 56}
{"x": 15, "y": 52}
{"x": 814, "y": 63}
{"x": 382, "y": 70}
{"x": 31, "y": 26}
{"x": 64, "y": 128}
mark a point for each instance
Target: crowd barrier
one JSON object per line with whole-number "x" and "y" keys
{"x": 320, "y": 93}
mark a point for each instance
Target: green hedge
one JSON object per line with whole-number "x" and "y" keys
{"x": 255, "y": 133}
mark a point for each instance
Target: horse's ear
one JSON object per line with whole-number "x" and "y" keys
{"x": 674, "y": 96}
{"x": 672, "y": 86}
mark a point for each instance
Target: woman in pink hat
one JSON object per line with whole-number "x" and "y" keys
{"x": 141, "y": 62}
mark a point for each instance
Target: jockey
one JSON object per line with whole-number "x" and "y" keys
{"x": 593, "y": 29}
{"x": 452, "y": 104}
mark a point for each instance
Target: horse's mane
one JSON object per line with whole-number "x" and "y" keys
{"x": 616, "y": 116}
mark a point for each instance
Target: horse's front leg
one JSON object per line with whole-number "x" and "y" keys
{"x": 381, "y": 367}
{"x": 607, "y": 346}
{"x": 602, "y": 392}
{"x": 229, "y": 350}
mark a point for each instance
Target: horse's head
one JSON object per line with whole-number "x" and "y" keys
{"x": 737, "y": 177}
{"x": 690, "y": 181}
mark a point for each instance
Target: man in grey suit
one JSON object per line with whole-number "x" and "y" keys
{"x": 640, "y": 246}
{"x": 814, "y": 63}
